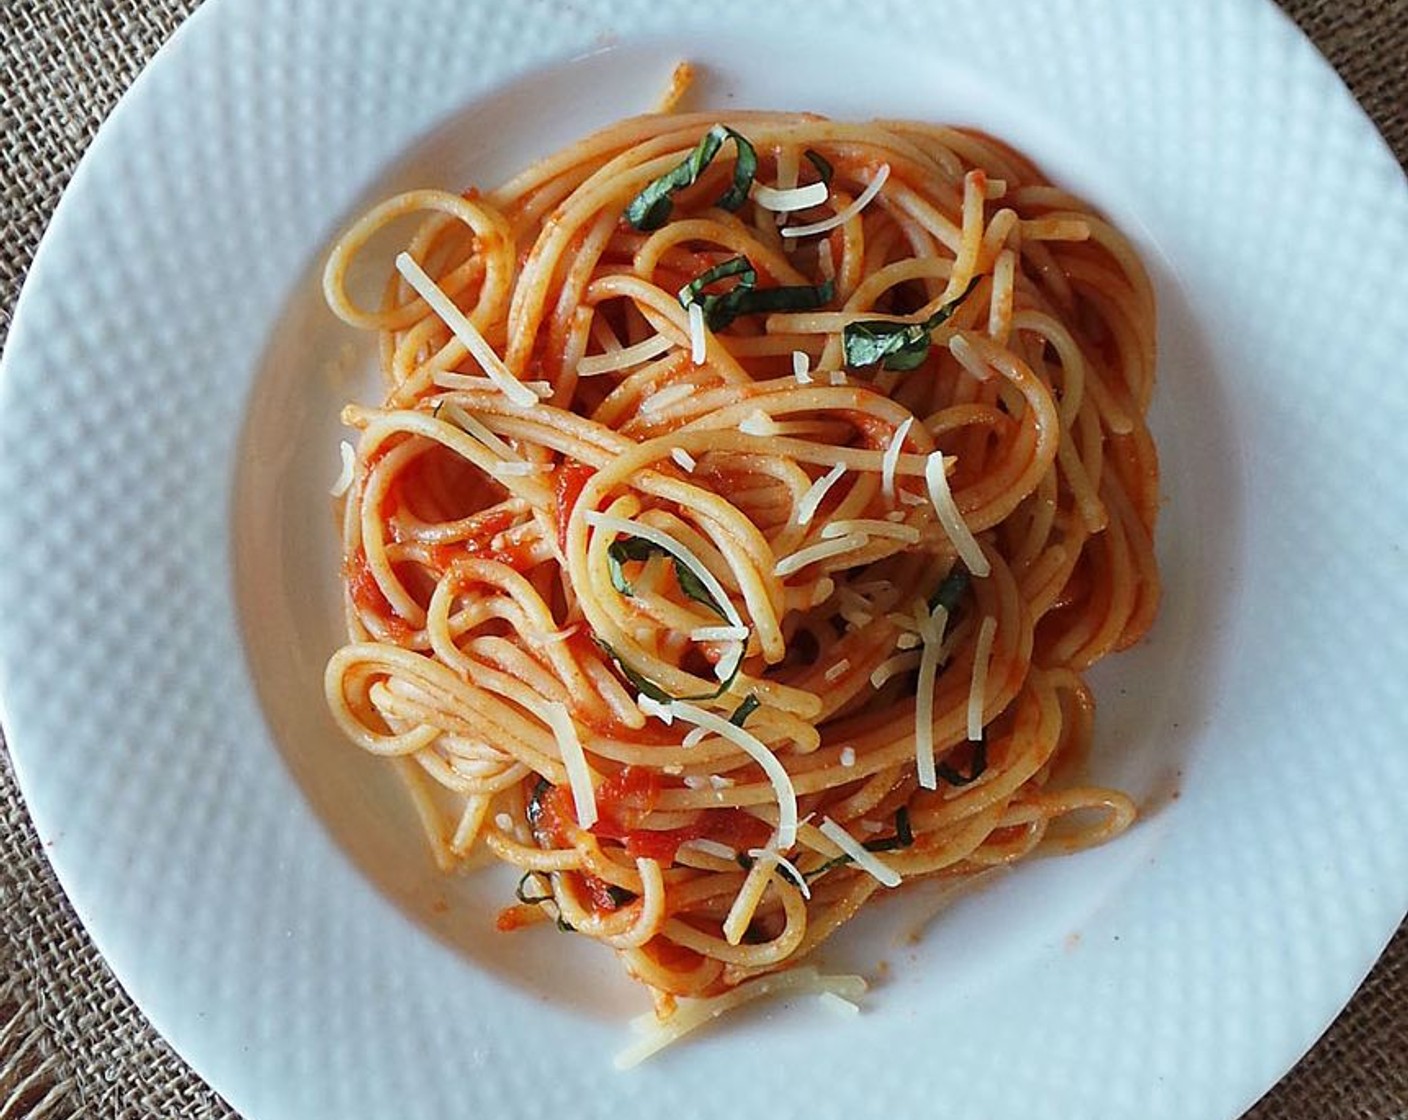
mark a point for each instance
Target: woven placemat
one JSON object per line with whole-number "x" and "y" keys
{"x": 71, "y": 1042}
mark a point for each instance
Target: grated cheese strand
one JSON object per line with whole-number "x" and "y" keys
{"x": 891, "y": 459}
{"x": 811, "y": 500}
{"x": 344, "y": 478}
{"x": 931, "y": 635}
{"x": 801, "y": 367}
{"x": 579, "y": 774}
{"x": 777, "y": 859}
{"x": 757, "y": 750}
{"x": 691, "y": 1014}
{"x": 465, "y": 331}
{"x": 823, "y": 551}
{"x": 686, "y": 461}
{"x": 969, "y": 551}
{"x": 844, "y": 215}
{"x": 977, "y": 693}
{"x": 872, "y": 528}
{"x": 862, "y": 856}
{"x": 787, "y": 200}
{"x": 698, "y": 341}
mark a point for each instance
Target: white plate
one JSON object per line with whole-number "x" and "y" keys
{"x": 168, "y": 418}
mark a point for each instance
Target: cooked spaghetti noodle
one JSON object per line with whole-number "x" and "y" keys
{"x": 744, "y": 507}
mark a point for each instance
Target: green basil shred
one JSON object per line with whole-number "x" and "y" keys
{"x": 975, "y": 771}
{"x": 903, "y": 838}
{"x": 950, "y": 591}
{"x": 646, "y": 687}
{"x": 822, "y": 165}
{"x": 520, "y": 892}
{"x": 900, "y": 346}
{"x": 745, "y": 297}
{"x": 750, "y": 704}
{"x": 651, "y": 208}
{"x": 623, "y": 549}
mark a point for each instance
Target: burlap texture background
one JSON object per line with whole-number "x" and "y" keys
{"x": 71, "y": 1042}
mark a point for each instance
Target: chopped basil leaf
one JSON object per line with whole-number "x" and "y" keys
{"x": 950, "y": 590}
{"x": 822, "y": 165}
{"x": 745, "y": 297}
{"x": 535, "y": 802}
{"x": 646, "y": 687}
{"x": 619, "y": 896}
{"x": 641, "y": 684}
{"x": 734, "y": 266}
{"x": 521, "y": 891}
{"x": 638, "y": 548}
{"x": 740, "y": 715}
{"x": 745, "y": 167}
{"x": 623, "y": 549}
{"x": 795, "y": 297}
{"x": 900, "y": 346}
{"x": 650, "y": 209}
{"x": 976, "y": 771}
{"x": 744, "y": 861}
{"x": 903, "y": 838}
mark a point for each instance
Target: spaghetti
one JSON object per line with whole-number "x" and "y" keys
{"x": 746, "y": 502}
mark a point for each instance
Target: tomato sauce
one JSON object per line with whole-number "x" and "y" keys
{"x": 568, "y": 482}
{"x": 368, "y": 597}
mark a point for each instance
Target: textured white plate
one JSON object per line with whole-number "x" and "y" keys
{"x": 168, "y": 424}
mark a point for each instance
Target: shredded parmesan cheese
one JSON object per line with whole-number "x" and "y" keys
{"x": 579, "y": 775}
{"x": 465, "y": 331}
{"x": 707, "y": 847}
{"x": 652, "y": 707}
{"x": 344, "y": 478}
{"x": 719, "y": 634}
{"x": 811, "y": 500}
{"x": 615, "y": 360}
{"x": 801, "y": 367}
{"x": 691, "y": 1014}
{"x": 951, "y": 519}
{"x": 977, "y": 694}
{"x": 727, "y": 665}
{"x": 686, "y": 461}
{"x": 837, "y": 377}
{"x": 844, "y": 215}
{"x": 863, "y": 857}
{"x": 931, "y": 626}
{"x": 778, "y": 859}
{"x": 698, "y": 341}
{"x": 785, "y": 201}
{"x": 504, "y": 822}
{"x": 758, "y": 423}
{"x": 848, "y": 757}
{"x": 823, "y": 551}
{"x": 871, "y": 528}
{"x": 838, "y": 1004}
{"x": 891, "y": 459}
{"x": 837, "y": 671}
{"x": 757, "y": 750}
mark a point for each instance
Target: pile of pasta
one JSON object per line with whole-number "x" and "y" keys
{"x": 746, "y": 502}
